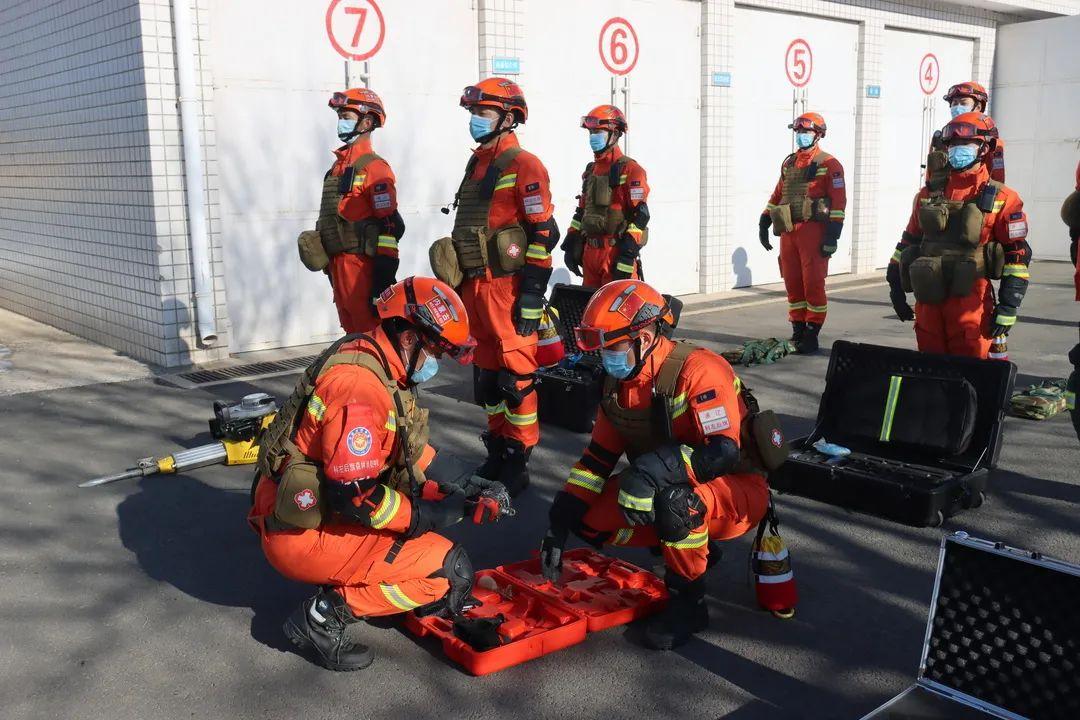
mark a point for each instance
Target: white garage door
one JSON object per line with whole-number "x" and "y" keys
{"x": 564, "y": 78}
{"x": 766, "y": 102}
{"x": 275, "y": 135}
{"x": 909, "y": 118}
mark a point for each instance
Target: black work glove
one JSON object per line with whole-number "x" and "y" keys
{"x": 573, "y": 245}
{"x": 830, "y": 238}
{"x": 1004, "y": 319}
{"x": 636, "y": 494}
{"x": 527, "y": 312}
{"x": 897, "y": 295}
{"x": 625, "y": 259}
{"x": 565, "y": 514}
{"x": 384, "y": 275}
{"x": 764, "y": 223}
{"x": 551, "y": 550}
{"x": 1073, "y": 387}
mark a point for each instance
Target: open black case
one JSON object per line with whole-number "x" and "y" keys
{"x": 569, "y": 394}
{"x": 924, "y": 431}
{"x": 1002, "y": 639}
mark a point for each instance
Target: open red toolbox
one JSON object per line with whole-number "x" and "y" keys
{"x": 597, "y": 592}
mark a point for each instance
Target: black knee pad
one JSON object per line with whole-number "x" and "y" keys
{"x": 485, "y": 386}
{"x": 678, "y": 511}
{"x": 508, "y": 389}
{"x": 459, "y": 573}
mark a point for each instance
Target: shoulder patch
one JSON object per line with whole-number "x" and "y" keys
{"x": 380, "y": 187}
{"x": 705, "y": 396}
{"x": 532, "y": 187}
{"x": 1016, "y": 216}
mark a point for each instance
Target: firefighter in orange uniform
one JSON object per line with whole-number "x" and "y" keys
{"x": 689, "y": 479}
{"x": 957, "y": 240}
{"x": 1070, "y": 213}
{"x": 963, "y": 98}
{"x": 499, "y": 256}
{"x": 609, "y": 226}
{"x": 806, "y": 210}
{"x": 356, "y": 236}
{"x": 340, "y": 495}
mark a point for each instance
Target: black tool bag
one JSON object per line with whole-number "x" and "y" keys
{"x": 1002, "y": 639}
{"x": 569, "y": 394}
{"x": 924, "y": 431}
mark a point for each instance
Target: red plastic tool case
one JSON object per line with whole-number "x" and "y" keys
{"x": 597, "y": 592}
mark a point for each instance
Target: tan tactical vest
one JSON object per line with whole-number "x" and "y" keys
{"x": 648, "y": 428}
{"x": 599, "y": 217}
{"x": 336, "y": 232}
{"x": 475, "y": 242}
{"x": 795, "y": 189}
{"x": 278, "y": 451}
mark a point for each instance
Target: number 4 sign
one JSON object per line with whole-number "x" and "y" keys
{"x": 929, "y": 73}
{"x": 356, "y": 28}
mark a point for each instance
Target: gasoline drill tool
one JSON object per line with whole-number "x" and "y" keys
{"x": 235, "y": 425}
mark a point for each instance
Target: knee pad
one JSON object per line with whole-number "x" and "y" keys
{"x": 678, "y": 511}
{"x": 485, "y": 386}
{"x": 458, "y": 570}
{"x": 508, "y": 389}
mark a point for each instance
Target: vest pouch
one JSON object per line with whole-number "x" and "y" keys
{"x": 769, "y": 439}
{"x": 444, "y": 262}
{"x": 1070, "y": 210}
{"x": 299, "y": 499}
{"x": 368, "y": 240}
{"x": 802, "y": 210}
{"x": 820, "y": 210}
{"x": 933, "y": 218}
{"x": 993, "y": 260}
{"x": 472, "y": 251}
{"x": 312, "y": 252}
{"x": 909, "y": 255}
{"x": 970, "y": 224}
{"x": 510, "y": 246}
{"x": 928, "y": 280}
{"x": 960, "y": 273}
{"x": 937, "y": 169}
{"x": 781, "y": 220}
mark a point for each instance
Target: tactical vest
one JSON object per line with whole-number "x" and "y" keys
{"x": 599, "y": 217}
{"x": 478, "y": 246}
{"x": 335, "y": 232}
{"x": 278, "y": 451}
{"x": 795, "y": 190}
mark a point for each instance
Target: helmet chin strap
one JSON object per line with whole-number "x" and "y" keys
{"x": 497, "y": 131}
{"x": 641, "y": 356}
{"x": 410, "y": 360}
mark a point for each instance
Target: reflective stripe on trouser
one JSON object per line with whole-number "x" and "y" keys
{"x": 596, "y": 265}
{"x": 490, "y": 305}
{"x": 734, "y": 504}
{"x": 354, "y": 562}
{"x": 804, "y": 271}
{"x": 958, "y": 326}
{"x": 351, "y": 278}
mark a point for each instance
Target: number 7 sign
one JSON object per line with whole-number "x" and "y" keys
{"x": 352, "y": 30}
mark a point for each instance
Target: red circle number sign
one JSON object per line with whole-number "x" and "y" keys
{"x": 929, "y": 73}
{"x": 799, "y": 62}
{"x": 356, "y": 28}
{"x": 618, "y": 46}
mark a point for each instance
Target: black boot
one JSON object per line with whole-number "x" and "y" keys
{"x": 798, "y": 328}
{"x": 685, "y": 614}
{"x": 320, "y": 624}
{"x": 496, "y": 449}
{"x": 809, "y": 343}
{"x": 514, "y": 473}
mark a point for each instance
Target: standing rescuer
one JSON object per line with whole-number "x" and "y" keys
{"x": 355, "y": 240}
{"x": 806, "y": 210}
{"x": 340, "y": 494}
{"x": 499, "y": 256}
{"x": 963, "y": 98}
{"x": 609, "y": 226}
{"x": 1070, "y": 213}
{"x": 684, "y": 421}
{"x": 957, "y": 241}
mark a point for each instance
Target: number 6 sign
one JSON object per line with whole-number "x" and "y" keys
{"x": 799, "y": 62}
{"x": 356, "y": 28}
{"x": 618, "y": 46}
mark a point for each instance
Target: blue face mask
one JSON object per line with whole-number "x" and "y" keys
{"x": 479, "y": 126}
{"x": 960, "y": 109}
{"x": 804, "y": 140}
{"x": 426, "y": 371}
{"x": 345, "y": 128}
{"x": 598, "y": 140}
{"x": 616, "y": 363}
{"x": 961, "y": 156}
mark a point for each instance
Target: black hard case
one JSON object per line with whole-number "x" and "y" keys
{"x": 1002, "y": 639}
{"x": 569, "y": 397}
{"x": 919, "y": 488}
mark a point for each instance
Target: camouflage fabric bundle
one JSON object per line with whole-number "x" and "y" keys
{"x": 1039, "y": 402}
{"x": 754, "y": 352}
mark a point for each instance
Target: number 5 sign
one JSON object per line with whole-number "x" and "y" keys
{"x": 799, "y": 62}
{"x": 618, "y": 46}
{"x": 356, "y": 28}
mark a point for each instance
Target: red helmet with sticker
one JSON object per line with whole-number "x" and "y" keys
{"x": 435, "y": 311}
{"x": 361, "y": 101}
{"x": 970, "y": 127}
{"x": 498, "y": 93}
{"x": 970, "y": 89}
{"x": 809, "y": 121}
{"x": 605, "y": 117}
{"x": 618, "y": 311}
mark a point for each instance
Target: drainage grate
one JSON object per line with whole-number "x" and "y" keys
{"x": 203, "y": 378}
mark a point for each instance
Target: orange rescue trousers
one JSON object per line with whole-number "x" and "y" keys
{"x": 377, "y": 572}
{"x": 596, "y": 265}
{"x": 958, "y": 326}
{"x": 804, "y": 271}
{"x": 351, "y": 278}
{"x": 734, "y": 505}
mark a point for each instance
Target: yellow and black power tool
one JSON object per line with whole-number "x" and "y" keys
{"x": 235, "y": 425}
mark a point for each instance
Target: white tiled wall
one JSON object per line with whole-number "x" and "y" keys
{"x": 501, "y": 32}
